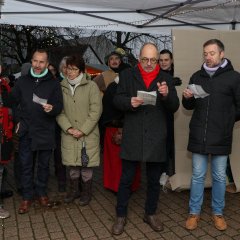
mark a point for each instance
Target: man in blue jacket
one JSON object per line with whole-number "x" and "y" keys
{"x": 211, "y": 129}
{"x": 38, "y": 98}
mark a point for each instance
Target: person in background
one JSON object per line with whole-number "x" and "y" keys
{"x": 80, "y": 134}
{"x": 60, "y": 169}
{"x": 6, "y": 133}
{"x": 211, "y": 129}
{"x": 25, "y": 69}
{"x": 167, "y": 65}
{"x": 144, "y": 131}
{"x": 114, "y": 61}
{"x": 52, "y": 68}
{"x": 112, "y": 121}
{"x": 39, "y": 100}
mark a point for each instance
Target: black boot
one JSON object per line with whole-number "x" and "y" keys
{"x": 73, "y": 191}
{"x": 86, "y": 194}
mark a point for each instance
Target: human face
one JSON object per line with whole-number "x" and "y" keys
{"x": 64, "y": 70}
{"x": 114, "y": 61}
{"x": 165, "y": 62}
{"x": 149, "y": 58}
{"x": 72, "y": 72}
{"x": 39, "y": 62}
{"x": 212, "y": 55}
{"x": 52, "y": 70}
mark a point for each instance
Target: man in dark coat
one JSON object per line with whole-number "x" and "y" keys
{"x": 144, "y": 130}
{"x": 38, "y": 98}
{"x": 211, "y": 129}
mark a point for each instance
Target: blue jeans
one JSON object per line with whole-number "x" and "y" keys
{"x": 218, "y": 172}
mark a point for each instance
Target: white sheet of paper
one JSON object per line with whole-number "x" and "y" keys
{"x": 149, "y": 98}
{"x": 197, "y": 91}
{"x": 39, "y": 100}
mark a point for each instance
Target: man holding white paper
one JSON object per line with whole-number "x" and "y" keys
{"x": 215, "y": 109}
{"x": 38, "y": 98}
{"x": 144, "y": 131}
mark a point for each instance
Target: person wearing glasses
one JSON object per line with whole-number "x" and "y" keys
{"x": 144, "y": 131}
{"x": 79, "y": 123}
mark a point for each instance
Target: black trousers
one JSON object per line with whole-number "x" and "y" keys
{"x": 153, "y": 172}
{"x": 27, "y": 170}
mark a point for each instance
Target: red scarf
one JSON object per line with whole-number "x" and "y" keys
{"x": 148, "y": 77}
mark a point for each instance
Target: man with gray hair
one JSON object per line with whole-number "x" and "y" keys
{"x": 144, "y": 131}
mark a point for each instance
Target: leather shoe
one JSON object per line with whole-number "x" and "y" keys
{"x": 118, "y": 226}
{"x": 24, "y": 206}
{"x": 153, "y": 222}
{"x": 44, "y": 201}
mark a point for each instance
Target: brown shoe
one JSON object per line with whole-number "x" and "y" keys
{"x": 118, "y": 226}
{"x": 44, "y": 201}
{"x": 153, "y": 222}
{"x": 24, "y": 206}
{"x": 219, "y": 222}
{"x": 192, "y": 221}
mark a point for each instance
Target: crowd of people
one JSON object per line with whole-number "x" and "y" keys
{"x": 63, "y": 113}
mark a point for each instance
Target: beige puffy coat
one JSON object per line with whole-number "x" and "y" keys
{"x": 81, "y": 111}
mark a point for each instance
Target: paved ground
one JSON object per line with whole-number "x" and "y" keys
{"x": 94, "y": 221}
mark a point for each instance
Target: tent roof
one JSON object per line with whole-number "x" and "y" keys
{"x": 149, "y": 16}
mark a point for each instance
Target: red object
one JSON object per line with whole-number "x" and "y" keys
{"x": 112, "y": 164}
{"x": 148, "y": 77}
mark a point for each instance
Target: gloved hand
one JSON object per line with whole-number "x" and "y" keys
{"x": 177, "y": 81}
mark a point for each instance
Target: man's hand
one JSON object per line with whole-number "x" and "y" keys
{"x": 136, "y": 101}
{"x": 47, "y": 107}
{"x": 162, "y": 88}
{"x": 187, "y": 93}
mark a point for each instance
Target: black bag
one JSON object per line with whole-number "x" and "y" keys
{"x": 84, "y": 156}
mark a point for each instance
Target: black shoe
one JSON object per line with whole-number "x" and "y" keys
{"x": 6, "y": 194}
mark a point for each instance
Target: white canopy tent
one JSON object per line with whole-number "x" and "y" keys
{"x": 145, "y": 16}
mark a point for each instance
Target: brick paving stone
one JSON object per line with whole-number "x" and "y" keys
{"x": 143, "y": 227}
{"x": 207, "y": 237}
{"x": 69, "y": 229}
{"x": 25, "y": 232}
{"x": 134, "y": 233}
{"x": 179, "y": 231}
{"x": 86, "y": 232}
{"x": 170, "y": 236}
{"x": 102, "y": 232}
{"x": 10, "y": 231}
{"x": 56, "y": 235}
{"x": 54, "y": 227}
{"x": 11, "y": 238}
{"x": 189, "y": 238}
{"x": 94, "y": 222}
{"x": 73, "y": 236}
{"x": 40, "y": 233}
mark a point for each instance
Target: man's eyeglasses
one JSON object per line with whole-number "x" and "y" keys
{"x": 146, "y": 60}
{"x": 72, "y": 69}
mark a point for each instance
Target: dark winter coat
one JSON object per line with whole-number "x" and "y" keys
{"x": 213, "y": 118}
{"x": 34, "y": 121}
{"x": 145, "y": 127}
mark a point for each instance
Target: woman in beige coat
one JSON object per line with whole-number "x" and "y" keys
{"x": 82, "y": 108}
